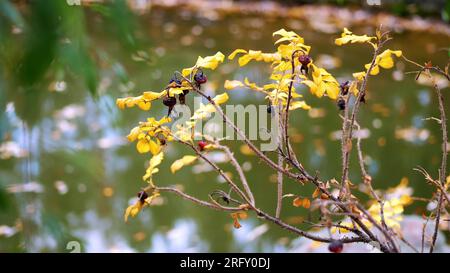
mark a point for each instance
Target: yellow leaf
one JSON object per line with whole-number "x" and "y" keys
{"x": 237, "y": 51}
{"x": 244, "y": 60}
{"x": 332, "y": 91}
{"x": 354, "y": 88}
{"x": 176, "y": 90}
{"x": 283, "y": 66}
{"x": 287, "y": 36}
{"x": 384, "y": 60}
{"x": 132, "y": 136}
{"x": 203, "y": 112}
{"x": 348, "y": 37}
{"x": 299, "y": 104}
{"x": 120, "y": 103}
{"x": 149, "y": 95}
{"x": 222, "y": 98}
{"x": 258, "y": 56}
{"x": 156, "y": 160}
{"x": 180, "y": 163}
{"x": 133, "y": 210}
{"x": 187, "y": 71}
{"x": 252, "y": 85}
{"x": 232, "y": 84}
{"x": 270, "y": 86}
{"x": 359, "y": 75}
{"x": 143, "y": 146}
{"x": 152, "y": 168}
{"x": 144, "y": 105}
{"x": 323, "y": 82}
{"x": 209, "y": 62}
{"x": 154, "y": 147}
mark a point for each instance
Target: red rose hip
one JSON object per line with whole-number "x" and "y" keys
{"x": 202, "y": 144}
{"x": 336, "y": 246}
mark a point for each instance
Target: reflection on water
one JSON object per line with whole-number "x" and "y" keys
{"x": 67, "y": 173}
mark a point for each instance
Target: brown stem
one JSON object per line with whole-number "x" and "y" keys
{"x": 442, "y": 170}
{"x": 345, "y": 151}
{"x": 239, "y": 170}
{"x": 349, "y": 127}
{"x": 194, "y": 200}
{"x": 368, "y": 179}
{"x": 286, "y": 120}
{"x": 279, "y": 188}
{"x": 280, "y": 164}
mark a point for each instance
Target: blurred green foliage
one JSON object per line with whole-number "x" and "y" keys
{"x": 45, "y": 41}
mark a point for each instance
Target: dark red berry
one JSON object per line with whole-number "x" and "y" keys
{"x": 169, "y": 101}
{"x": 336, "y": 246}
{"x": 304, "y": 60}
{"x": 269, "y": 109}
{"x": 182, "y": 98}
{"x": 142, "y": 195}
{"x": 175, "y": 80}
{"x": 344, "y": 87}
{"x": 200, "y": 78}
{"x": 363, "y": 98}
{"x": 162, "y": 140}
{"x": 202, "y": 144}
{"x": 341, "y": 104}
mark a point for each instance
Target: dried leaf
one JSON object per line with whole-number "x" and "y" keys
{"x": 297, "y": 202}
{"x": 316, "y": 193}
{"x": 180, "y": 163}
{"x": 306, "y": 203}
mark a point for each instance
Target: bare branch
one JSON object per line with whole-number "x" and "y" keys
{"x": 239, "y": 170}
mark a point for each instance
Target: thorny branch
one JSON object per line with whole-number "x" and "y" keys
{"x": 302, "y": 176}
{"x": 259, "y": 212}
{"x": 441, "y": 190}
{"x": 239, "y": 170}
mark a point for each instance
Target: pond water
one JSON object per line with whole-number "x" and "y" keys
{"x": 67, "y": 172}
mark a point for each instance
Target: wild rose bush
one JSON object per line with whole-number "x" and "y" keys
{"x": 348, "y": 219}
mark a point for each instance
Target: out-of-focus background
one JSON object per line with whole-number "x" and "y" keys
{"x": 67, "y": 172}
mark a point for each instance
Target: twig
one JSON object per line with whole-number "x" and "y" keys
{"x": 443, "y": 122}
{"x": 424, "y": 227}
{"x": 435, "y": 183}
{"x": 239, "y": 170}
{"x": 345, "y": 141}
{"x": 355, "y": 110}
{"x": 193, "y": 199}
{"x": 279, "y": 188}
{"x": 280, "y": 164}
{"x": 217, "y": 168}
{"x": 385, "y": 232}
{"x": 368, "y": 179}
{"x": 286, "y": 121}
{"x": 443, "y": 169}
